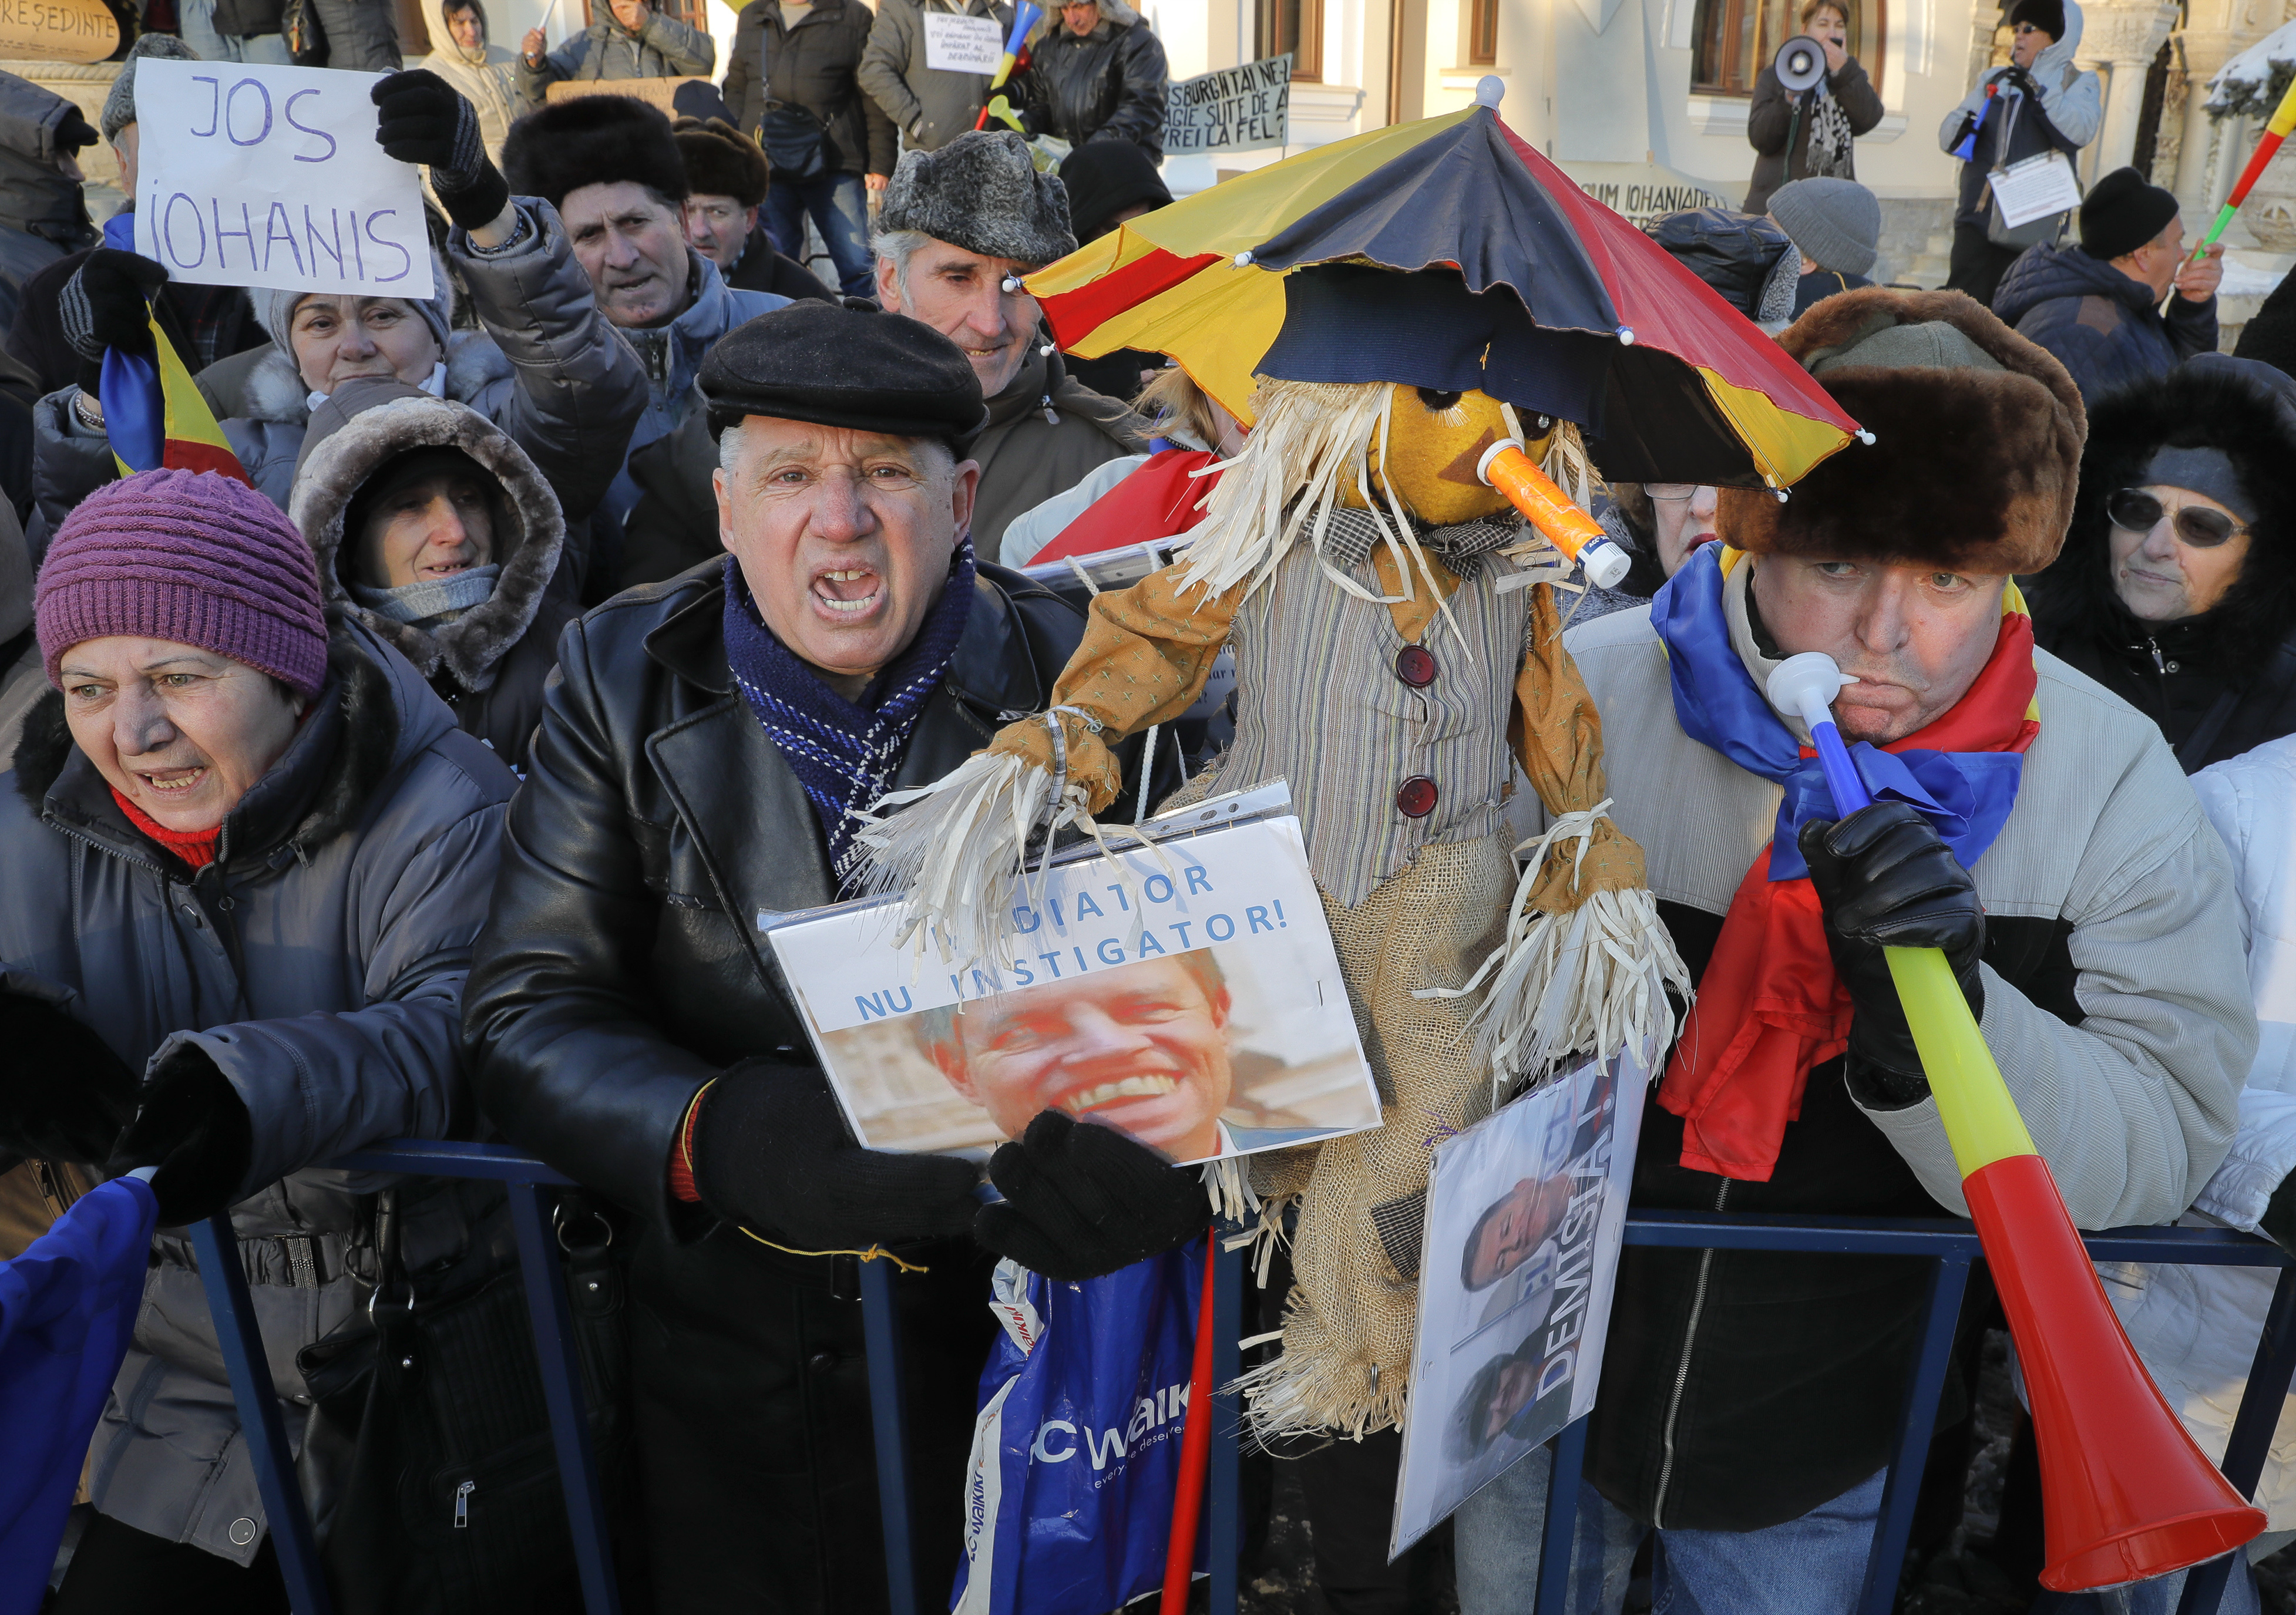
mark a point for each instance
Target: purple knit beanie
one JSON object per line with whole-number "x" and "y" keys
{"x": 192, "y": 556}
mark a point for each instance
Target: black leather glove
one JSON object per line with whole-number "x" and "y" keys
{"x": 1884, "y": 879}
{"x": 73, "y": 132}
{"x": 195, "y": 1127}
{"x": 1081, "y": 1200}
{"x": 426, "y": 120}
{"x": 772, "y": 1153}
{"x": 65, "y": 1096}
{"x": 2018, "y": 79}
{"x": 107, "y": 303}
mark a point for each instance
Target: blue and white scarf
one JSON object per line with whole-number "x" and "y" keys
{"x": 844, "y": 753}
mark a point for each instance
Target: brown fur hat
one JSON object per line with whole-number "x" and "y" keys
{"x": 1977, "y": 445}
{"x": 719, "y": 162}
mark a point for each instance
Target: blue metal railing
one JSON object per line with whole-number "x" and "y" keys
{"x": 1952, "y": 1245}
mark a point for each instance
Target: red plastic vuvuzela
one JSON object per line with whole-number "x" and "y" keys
{"x": 2125, "y": 1492}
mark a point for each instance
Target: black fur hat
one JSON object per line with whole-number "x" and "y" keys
{"x": 2246, "y": 409}
{"x": 592, "y": 140}
{"x": 721, "y": 161}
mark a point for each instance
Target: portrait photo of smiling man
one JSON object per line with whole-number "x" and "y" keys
{"x": 1143, "y": 1048}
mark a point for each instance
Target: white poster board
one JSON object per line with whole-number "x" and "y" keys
{"x": 1526, "y": 1210}
{"x": 2035, "y": 188}
{"x": 1238, "y": 109}
{"x": 270, "y": 177}
{"x": 963, "y": 45}
{"x": 1189, "y": 996}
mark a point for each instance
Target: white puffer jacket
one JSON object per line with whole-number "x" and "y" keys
{"x": 2197, "y": 1327}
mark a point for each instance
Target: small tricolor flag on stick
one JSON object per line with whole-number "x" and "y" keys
{"x": 157, "y": 415}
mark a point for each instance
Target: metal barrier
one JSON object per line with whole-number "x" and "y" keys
{"x": 1952, "y": 1245}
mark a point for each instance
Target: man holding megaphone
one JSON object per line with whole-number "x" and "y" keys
{"x": 1809, "y": 103}
{"x": 2027, "y": 824}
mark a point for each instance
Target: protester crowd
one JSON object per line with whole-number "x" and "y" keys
{"x": 437, "y": 780}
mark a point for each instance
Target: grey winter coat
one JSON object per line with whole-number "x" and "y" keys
{"x": 547, "y": 368}
{"x": 42, "y": 214}
{"x": 665, "y": 48}
{"x": 319, "y": 963}
{"x": 490, "y": 662}
{"x": 930, "y": 107}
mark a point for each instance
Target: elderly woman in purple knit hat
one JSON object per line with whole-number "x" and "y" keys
{"x": 245, "y": 852}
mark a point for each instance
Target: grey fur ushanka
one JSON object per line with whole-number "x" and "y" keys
{"x": 490, "y": 663}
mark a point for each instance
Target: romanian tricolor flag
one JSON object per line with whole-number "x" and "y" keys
{"x": 158, "y": 417}
{"x": 1597, "y": 324}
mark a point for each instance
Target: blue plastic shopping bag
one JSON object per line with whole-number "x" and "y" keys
{"x": 1077, "y": 1453}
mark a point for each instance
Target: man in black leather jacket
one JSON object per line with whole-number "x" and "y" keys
{"x": 626, "y": 1020}
{"x": 1099, "y": 74}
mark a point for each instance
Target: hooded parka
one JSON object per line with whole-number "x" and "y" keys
{"x": 622, "y": 968}
{"x": 319, "y": 963}
{"x": 487, "y": 664}
{"x": 2071, "y": 106}
{"x": 664, "y": 48}
{"x": 2225, "y": 681}
{"x": 547, "y": 367}
{"x": 486, "y": 78}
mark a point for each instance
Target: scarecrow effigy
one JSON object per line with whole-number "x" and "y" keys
{"x": 1402, "y": 319}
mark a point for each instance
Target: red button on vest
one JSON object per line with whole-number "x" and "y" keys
{"x": 1415, "y": 665}
{"x": 1414, "y": 798}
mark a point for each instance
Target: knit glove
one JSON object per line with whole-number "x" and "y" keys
{"x": 73, "y": 132}
{"x": 424, "y": 119}
{"x": 1884, "y": 879}
{"x": 107, "y": 303}
{"x": 64, "y": 1095}
{"x": 772, "y": 1153}
{"x": 194, "y": 1127}
{"x": 1081, "y": 1200}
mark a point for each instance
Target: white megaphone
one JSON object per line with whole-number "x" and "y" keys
{"x": 1800, "y": 62}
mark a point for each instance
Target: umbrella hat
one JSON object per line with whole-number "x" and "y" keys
{"x": 1535, "y": 294}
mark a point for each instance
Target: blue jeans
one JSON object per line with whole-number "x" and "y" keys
{"x": 1811, "y": 1566}
{"x": 840, "y": 205}
{"x": 196, "y": 18}
{"x": 2158, "y": 1596}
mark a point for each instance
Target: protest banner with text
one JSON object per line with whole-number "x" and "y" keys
{"x": 1238, "y": 109}
{"x": 270, "y": 177}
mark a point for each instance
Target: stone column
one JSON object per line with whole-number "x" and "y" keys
{"x": 2214, "y": 32}
{"x": 2120, "y": 39}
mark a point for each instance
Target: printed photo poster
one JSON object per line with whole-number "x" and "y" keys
{"x": 1188, "y": 996}
{"x": 1519, "y": 1251}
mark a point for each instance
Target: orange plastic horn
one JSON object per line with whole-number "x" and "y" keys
{"x": 1505, "y": 467}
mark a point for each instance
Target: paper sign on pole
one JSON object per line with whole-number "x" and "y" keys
{"x": 270, "y": 177}
{"x": 57, "y": 30}
{"x": 1240, "y": 109}
{"x": 963, "y": 45}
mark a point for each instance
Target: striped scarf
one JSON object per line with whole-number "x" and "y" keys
{"x": 844, "y": 753}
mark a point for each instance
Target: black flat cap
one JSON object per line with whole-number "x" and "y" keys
{"x": 844, "y": 364}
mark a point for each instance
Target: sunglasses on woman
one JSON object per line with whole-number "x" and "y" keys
{"x": 2134, "y": 510}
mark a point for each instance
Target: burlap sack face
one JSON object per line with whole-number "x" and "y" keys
{"x": 1348, "y": 1326}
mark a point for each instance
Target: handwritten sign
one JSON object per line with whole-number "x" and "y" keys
{"x": 270, "y": 177}
{"x": 1645, "y": 193}
{"x": 1240, "y": 109}
{"x": 963, "y": 45}
{"x": 57, "y": 30}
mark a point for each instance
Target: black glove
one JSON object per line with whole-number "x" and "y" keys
{"x": 1081, "y": 1200}
{"x": 772, "y": 1153}
{"x": 195, "y": 1127}
{"x": 65, "y": 1096}
{"x": 73, "y": 132}
{"x": 1885, "y": 880}
{"x": 107, "y": 303}
{"x": 2018, "y": 79}
{"x": 426, "y": 120}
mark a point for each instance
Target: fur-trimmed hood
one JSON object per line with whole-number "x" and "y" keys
{"x": 1974, "y": 465}
{"x": 363, "y": 428}
{"x": 305, "y": 801}
{"x": 2246, "y": 410}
